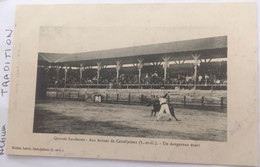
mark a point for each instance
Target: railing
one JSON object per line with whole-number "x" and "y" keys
{"x": 144, "y": 86}
{"x": 219, "y": 101}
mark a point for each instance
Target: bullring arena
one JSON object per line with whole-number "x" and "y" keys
{"x": 106, "y": 92}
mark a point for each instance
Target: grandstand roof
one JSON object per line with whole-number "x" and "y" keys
{"x": 210, "y": 48}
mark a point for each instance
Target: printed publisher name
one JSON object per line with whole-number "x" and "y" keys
{"x": 37, "y": 149}
{"x": 30, "y": 148}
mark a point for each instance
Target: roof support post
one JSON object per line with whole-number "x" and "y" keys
{"x": 140, "y": 66}
{"x": 46, "y": 71}
{"x": 81, "y": 69}
{"x": 66, "y": 71}
{"x": 196, "y": 64}
{"x": 118, "y": 67}
{"x": 166, "y": 64}
{"x": 57, "y": 74}
{"x": 99, "y": 67}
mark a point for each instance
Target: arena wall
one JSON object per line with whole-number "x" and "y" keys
{"x": 142, "y": 96}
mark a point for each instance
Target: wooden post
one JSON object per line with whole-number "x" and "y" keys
{"x": 222, "y": 102}
{"x": 65, "y": 82}
{"x": 140, "y": 66}
{"x": 106, "y": 98}
{"x": 46, "y": 78}
{"x": 57, "y": 74}
{"x": 142, "y": 99}
{"x": 196, "y": 64}
{"x": 81, "y": 69}
{"x": 202, "y": 101}
{"x": 166, "y": 64}
{"x": 99, "y": 67}
{"x": 129, "y": 98}
{"x": 117, "y": 98}
{"x": 184, "y": 101}
{"x": 118, "y": 67}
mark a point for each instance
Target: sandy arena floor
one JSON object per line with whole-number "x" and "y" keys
{"x": 80, "y": 117}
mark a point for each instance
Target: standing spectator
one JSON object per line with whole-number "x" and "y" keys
{"x": 200, "y": 79}
{"x": 206, "y": 79}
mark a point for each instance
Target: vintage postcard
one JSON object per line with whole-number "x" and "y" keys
{"x": 147, "y": 82}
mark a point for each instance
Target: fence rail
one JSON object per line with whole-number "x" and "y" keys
{"x": 132, "y": 98}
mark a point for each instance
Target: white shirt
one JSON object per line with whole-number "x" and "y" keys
{"x": 163, "y": 100}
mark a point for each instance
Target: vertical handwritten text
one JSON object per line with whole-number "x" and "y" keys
{"x": 7, "y": 59}
{"x": 2, "y": 140}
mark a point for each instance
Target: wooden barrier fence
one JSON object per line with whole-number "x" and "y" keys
{"x": 114, "y": 97}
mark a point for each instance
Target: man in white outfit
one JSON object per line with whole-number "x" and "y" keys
{"x": 164, "y": 107}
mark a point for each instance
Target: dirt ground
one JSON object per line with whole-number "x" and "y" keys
{"x": 80, "y": 117}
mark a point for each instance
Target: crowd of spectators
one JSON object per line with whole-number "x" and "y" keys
{"x": 207, "y": 74}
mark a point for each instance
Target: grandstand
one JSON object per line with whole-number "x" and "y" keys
{"x": 194, "y": 71}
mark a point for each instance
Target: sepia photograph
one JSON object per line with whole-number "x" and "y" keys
{"x": 152, "y": 88}
{"x": 141, "y": 82}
